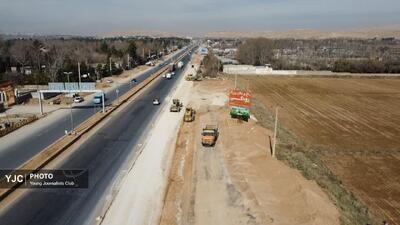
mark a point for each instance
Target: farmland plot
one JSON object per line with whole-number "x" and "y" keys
{"x": 356, "y": 123}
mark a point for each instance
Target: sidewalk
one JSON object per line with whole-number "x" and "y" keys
{"x": 140, "y": 198}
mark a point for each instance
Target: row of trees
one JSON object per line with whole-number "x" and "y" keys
{"x": 211, "y": 65}
{"x": 258, "y": 51}
{"x": 339, "y": 55}
{"x": 47, "y": 59}
{"x": 366, "y": 66}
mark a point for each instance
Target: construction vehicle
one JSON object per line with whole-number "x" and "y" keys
{"x": 190, "y": 114}
{"x": 240, "y": 113}
{"x": 191, "y": 77}
{"x": 176, "y": 106}
{"x": 209, "y": 135}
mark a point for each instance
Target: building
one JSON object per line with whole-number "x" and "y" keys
{"x": 247, "y": 69}
{"x": 227, "y": 61}
{"x": 203, "y": 51}
{"x": 7, "y": 94}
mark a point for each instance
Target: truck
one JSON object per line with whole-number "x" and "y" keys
{"x": 171, "y": 67}
{"x": 180, "y": 64}
{"x": 176, "y": 106}
{"x": 209, "y": 135}
{"x": 240, "y": 113}
{"x": 189, "y": 115}
{"x": 98, "y": 97}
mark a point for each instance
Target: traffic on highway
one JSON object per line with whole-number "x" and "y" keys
{"x": 105, "y": 155}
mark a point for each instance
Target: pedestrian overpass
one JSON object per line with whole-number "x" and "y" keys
{"x": 71, "y": 88}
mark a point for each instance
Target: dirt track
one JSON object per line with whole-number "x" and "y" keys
{"x": 236, "y": 182}
{"x": 356, "y": 125}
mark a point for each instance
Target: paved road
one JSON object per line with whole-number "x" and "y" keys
{"x": 12, "y": 155}
{"x": 106, "y": 155}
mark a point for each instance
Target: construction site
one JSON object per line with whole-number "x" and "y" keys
{"x": 226, "y": 149}
{"x": 235, "y": 180}
{"x": 336, "y": 159}
{"x": 213, "y": 113}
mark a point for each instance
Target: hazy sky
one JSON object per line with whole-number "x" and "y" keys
{"x": 106, "y": 16}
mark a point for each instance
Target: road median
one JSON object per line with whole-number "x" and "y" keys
{"x": 43, "y": 158}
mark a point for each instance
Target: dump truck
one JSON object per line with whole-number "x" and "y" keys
{"x": 176, "y": 106}
{"x": 240, "y": 113}
{"x": 209, "y": 135}
{"x": 190, "y": 114}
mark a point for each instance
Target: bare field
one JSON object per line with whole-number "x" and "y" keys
{"x": 355, "y": 125}
{"x": 236, "y": 182}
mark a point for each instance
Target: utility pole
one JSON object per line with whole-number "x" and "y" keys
{"x": 275, "y": 130}
{"x": 79, "y": 74}
{"x": 110, "y": 68}
{"x": 235, "y": 81}
{"x": 218, "y": 66}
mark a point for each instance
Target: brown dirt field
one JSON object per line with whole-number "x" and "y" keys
{"x": 356, "y": 125}
{"x": 236, "y": 182}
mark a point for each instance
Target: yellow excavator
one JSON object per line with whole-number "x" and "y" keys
{"x": 190, "y": 114}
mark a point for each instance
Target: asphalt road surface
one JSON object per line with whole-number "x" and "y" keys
{"x": 106, "y": 155}
{"x": 15, "y": 154}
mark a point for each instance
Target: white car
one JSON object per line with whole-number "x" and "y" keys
{"x": 156, "y": 101}
{"x": 173, "y": 72}
{"x": 150, "y": 63}
{"x": 164, "y": 75}
{"x": 109, "y": 81}
{"x": 78, "y": 99}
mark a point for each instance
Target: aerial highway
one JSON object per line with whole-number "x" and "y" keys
{"x": 20, "y": 148}
{"x": 106, "y": 155}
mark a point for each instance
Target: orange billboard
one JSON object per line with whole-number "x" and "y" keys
{"x": 239, "y": 98}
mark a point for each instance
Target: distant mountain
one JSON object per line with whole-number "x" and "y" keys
{"x": 148, "y": 33}
{"x": 371, "y": 32}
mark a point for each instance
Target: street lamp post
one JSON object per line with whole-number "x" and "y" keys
{"x": 72, "y": 118}
{"x": 110, "y": 68}
{"x": 68, "y": 73}
{"x": 117, "y": 91}
{"x": 71, "y": 115}
{"x": 79, "y": 74}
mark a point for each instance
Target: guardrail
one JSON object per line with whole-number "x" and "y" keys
{"x": 40, "y": 160}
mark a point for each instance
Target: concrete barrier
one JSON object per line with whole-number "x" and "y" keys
{"x": 43, "y": 158}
